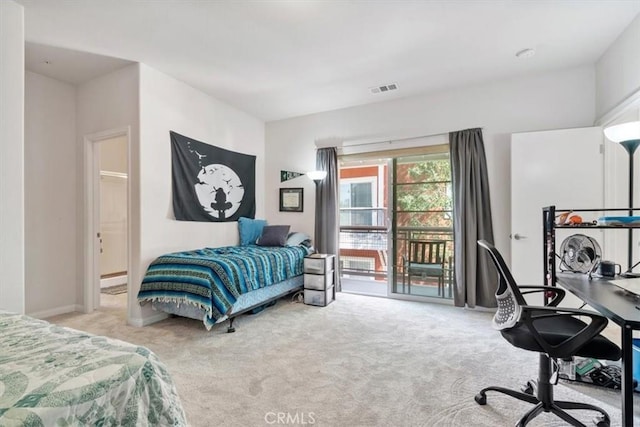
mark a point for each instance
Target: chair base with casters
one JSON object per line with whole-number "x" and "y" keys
{"x": 553, "y": 332}
{"x": 544, "y": 401}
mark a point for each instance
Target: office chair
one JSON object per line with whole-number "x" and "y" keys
{"x": 425, "y": 259}
{"x": 553, "y": 332}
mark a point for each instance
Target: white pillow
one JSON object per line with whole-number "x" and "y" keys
{"x": 297, "y": 238}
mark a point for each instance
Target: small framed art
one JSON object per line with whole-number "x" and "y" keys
{"x": 291, "y": 199}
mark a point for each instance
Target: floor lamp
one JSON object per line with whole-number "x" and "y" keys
{"x": 627, "y": 135}
{"x": 317, "y": 176}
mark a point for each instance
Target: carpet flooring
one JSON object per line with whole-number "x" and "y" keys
{"x": 114, "y": 290}
{"x": 361, "y": 361}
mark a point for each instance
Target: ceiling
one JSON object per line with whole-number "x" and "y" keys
{"x": 71, "y": 66}
{"x": 281, "y": 59}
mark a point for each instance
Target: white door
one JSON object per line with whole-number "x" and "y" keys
{"x": 564, "y": 168}
{"x": 113, "y": 225}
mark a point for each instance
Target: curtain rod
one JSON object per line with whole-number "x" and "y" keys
{"x": 390, "y": 141}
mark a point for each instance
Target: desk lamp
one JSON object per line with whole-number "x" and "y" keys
{"x": 627, "y": 135}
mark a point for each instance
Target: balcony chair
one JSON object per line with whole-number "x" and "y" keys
{"x": 552, "y": 331}
{"x": 425, "y": 259}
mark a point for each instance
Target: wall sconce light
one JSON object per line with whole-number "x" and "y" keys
{"x": 627, "y": 135}
{"x": 317, "y": 176}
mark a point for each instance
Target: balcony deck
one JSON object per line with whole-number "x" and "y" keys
{"x": 365, "y": 263}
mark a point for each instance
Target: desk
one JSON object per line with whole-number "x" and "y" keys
{"x": 619, "y": 306}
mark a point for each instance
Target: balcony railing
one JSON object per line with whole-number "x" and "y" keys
{"x": 364, "y": 248}
{"x": 371, "y": 242}
{"x": 363, "y": 238}
{"x": 368, "y": 217}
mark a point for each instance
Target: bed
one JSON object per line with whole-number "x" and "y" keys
{"x": 216, "y": 284}
{"x": 51, "y": 375}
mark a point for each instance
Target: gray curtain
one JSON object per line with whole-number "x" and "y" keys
{"x": 476, "y": 279}
{"x": 327, "y": 228}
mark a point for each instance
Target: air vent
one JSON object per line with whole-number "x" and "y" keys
{"x": 384, "y": 88}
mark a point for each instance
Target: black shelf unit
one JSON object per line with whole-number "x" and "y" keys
{"x": 549, "y": 227}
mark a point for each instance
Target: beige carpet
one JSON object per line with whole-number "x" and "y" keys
{"x": 360, "y": 361}
{"x": 114, "y": 290}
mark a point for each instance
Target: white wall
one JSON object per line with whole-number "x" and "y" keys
{"x": 618, "y": 101}
{"x": 50, "y": 196}
{"x": 618, "y": 70}
{"x": 106, "y": 103}
{"x": 12, "y": 280}
{"x": 562, "y": 99}
{"x": 168, "y": 104}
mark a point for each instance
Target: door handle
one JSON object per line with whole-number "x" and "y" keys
{"x": 518, "y": 236}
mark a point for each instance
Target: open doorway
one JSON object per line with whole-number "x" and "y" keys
{"x": 107, "y": 211}
{"x": 113, "y": 220}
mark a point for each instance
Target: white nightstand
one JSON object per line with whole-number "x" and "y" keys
{"x": 319, "y": 276}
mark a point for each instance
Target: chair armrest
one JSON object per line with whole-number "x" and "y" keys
{"x": 569, "y": 346}
{"x": 558, "y": 296}
{"x": 558, "y": 310}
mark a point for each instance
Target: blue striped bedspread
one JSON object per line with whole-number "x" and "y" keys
{"x": 214, "y": 278}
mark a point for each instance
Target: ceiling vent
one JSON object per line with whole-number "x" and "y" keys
{"x": 384, "y": 88}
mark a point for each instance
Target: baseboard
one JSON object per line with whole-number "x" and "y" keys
{"x": 57, "y": 311}
{"x": 139, "y": 323}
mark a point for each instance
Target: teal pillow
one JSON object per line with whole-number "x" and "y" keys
{"x": 250, "y": 230}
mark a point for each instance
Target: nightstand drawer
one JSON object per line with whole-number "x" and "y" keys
{"x": 319, "y": 298}
{"x": 318, "y": 281}
{"x": 319, "y": 263}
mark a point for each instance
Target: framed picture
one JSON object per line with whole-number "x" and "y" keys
{"x": 291, "y": 199}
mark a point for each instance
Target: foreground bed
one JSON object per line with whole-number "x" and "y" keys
{"x": 51, "y": 375}
{"x": 214, "y": 284}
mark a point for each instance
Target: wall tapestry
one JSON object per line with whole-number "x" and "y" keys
{"x": 210, "y": 183}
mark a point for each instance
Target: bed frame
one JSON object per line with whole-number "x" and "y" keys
{"x": 267, "y": 303}
{"x": 242, "y": 306}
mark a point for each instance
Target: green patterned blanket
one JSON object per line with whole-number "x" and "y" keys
{"x": 55, "y": 376}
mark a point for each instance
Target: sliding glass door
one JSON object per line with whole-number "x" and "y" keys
{"x": 392, "y": 210}
{"x": 422, "y": 226}
{"x": 364, "y": 226}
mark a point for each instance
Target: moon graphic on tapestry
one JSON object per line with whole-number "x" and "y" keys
{"x": 210, "y": 183}
{"x": 219, "y": 190}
